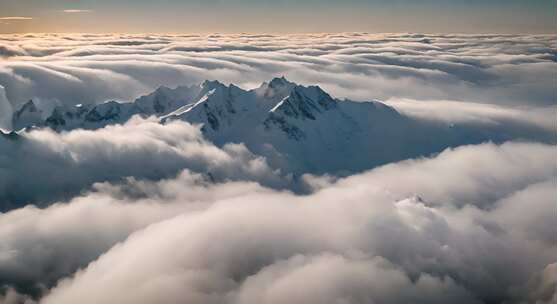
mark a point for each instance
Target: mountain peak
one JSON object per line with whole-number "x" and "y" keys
{"x": 305, "y": 102}
{"x": 165, "y": 100}
{"x": 212, "y": 84}
{"x": 276, "y": 89}
{"x": 298, "y": 122}
{"x": 313, "y": 92}
{"x": 278, "y": 82}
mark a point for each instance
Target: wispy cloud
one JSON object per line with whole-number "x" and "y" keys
{"x": 16, "y": 18}
{"x": 77, "y": 11}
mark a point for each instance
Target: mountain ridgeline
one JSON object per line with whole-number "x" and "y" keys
{"x": 297, "y": 128}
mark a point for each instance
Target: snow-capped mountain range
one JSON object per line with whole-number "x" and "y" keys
{"x": 298, "y": 128}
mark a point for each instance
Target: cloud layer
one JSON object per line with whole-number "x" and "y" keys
{"x": 72, "y": 69}
{"x": 43, "y": 166}
{"x": 448, "y": 238}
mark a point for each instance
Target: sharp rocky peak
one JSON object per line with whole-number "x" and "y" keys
{"x": 305, "y": 102}
{"x": 280, "y": 82}
{"x": 164, "y": 99}
{"x": 212, "y": 84}
{"x": 217, "y": 91}
{"x": 276, "y": 89}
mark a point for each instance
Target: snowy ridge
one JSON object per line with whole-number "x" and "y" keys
{"x": 298, "y": 128}
{"x": 158, "y": 103}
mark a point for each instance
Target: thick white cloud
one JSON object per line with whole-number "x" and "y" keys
{"x": 405, "y": 232}
{"x": 75, "y": 69}
{"x": 468, "y": 113}
{"x": 470, "y": 175}
{"x": 545, "y": 286}
{"x": 42, "y": 166}
{"x": 42, "y": 245}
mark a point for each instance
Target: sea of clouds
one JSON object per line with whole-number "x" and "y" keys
{"x": 510, "y": 69}
{"x": 154, "y": 213}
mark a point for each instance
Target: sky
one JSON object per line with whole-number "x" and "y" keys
{"x": 281, "y": 16}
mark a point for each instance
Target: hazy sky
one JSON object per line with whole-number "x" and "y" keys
{"x": 279, "y": 16}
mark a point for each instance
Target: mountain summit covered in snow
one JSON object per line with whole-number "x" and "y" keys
{"x": 297, "y": 128}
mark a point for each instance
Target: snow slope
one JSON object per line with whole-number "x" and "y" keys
{"x": 297, "y": 128}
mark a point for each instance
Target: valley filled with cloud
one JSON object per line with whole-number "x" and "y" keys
{"x": 383, "y": 168}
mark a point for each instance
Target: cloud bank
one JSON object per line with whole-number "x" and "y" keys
{"x": 43, "y": 166}
{"x": 448, "y": 238}
{"x": 73, "y": 69}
